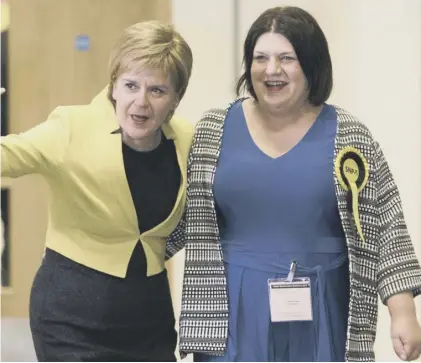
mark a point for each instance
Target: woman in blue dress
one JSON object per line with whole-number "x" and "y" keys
{"x": 275, "y": 209}
{"x": 293, "y": 222}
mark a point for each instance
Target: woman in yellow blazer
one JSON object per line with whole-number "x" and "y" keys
{"x": 117, "y": 172}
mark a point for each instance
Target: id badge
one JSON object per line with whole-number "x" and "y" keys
{"x": 290, "y": 300}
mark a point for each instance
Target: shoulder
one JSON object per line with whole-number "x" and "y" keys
{"x": 83, "y": 119}
{"x": 98, "y": 108}
{"x": 349, "y": 123}
{"x": 78, "y": 118}
{"x": 215, "y": 117}
{"x": 352, "y": 132}
{"x": 181, "y": 129}
{"x": 214, "y": 114}
{"x": 99, "y": 113}
{"x": 65, "y": 117}
{"x": 71, "y": 113}
{"x": 181, "y": 126}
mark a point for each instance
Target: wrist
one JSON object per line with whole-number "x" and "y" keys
{"x": 402, "y": 305}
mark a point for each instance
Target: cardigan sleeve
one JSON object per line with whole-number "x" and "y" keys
{"x": 399, "y": 269}
{"x": 177, "y": 238}
{"x": 38, "y": 149}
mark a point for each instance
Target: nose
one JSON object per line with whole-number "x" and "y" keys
{"x": 273, "y": 66}
{"x": 141, "y": 98}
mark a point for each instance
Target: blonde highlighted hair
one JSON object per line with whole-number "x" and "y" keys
{"x": 156, "y": 45}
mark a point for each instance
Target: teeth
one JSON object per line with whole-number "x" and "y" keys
{"x": 275, "y": 83}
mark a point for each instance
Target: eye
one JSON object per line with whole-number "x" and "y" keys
{"x": 131, "y": 86}
{"x": 259, "y": 58}
{"x": 157, "y": 91}
{"x": 287, "y": 58}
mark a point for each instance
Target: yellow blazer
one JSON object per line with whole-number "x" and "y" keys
{"x": 92, "y": 219}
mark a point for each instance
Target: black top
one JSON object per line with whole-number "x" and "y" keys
{"x": 154, "y": 179}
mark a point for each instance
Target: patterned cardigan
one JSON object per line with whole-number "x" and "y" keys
{"x": 384, "y": 264}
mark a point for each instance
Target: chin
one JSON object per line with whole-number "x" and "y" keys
{"x": 274, "y": 102}
{"x": 141, "y": 134}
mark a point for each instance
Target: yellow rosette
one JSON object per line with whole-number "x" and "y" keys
{"x": 351, "y": 169}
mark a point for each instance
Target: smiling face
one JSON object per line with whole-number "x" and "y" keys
{"x": 144, "y": 100}
{"x": 276, "y": 74}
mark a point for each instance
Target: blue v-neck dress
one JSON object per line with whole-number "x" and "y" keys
{"x": 272, "y": 211}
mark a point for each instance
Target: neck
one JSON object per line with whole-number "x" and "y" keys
{"x": 278, "y": 118}
{"x": 144, "y": 144}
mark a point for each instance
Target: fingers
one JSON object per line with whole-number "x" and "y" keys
{"x": 412, "y": 351}
{"x": 399, "y": 349}
{"x": 2, "y": 90}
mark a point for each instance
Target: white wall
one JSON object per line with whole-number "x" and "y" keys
{"x": 376, "y": 51}
{"x": 377, "y": 56}
{"x": 208, "y": 27}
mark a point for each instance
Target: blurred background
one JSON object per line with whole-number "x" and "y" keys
{"x": 55, "y": 52}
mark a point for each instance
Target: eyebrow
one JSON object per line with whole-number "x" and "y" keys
{"x": 153, "y": 85}
{"x": 283, "y": 53}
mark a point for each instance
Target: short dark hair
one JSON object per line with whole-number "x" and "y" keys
{"x": 310, "y": 45}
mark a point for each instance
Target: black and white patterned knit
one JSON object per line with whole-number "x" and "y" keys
{"x": 385, "y": 264}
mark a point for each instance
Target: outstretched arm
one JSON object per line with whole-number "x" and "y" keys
{"x": 38, "y": 149}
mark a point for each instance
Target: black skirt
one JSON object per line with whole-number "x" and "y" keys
{"x": 80, "y": 314}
